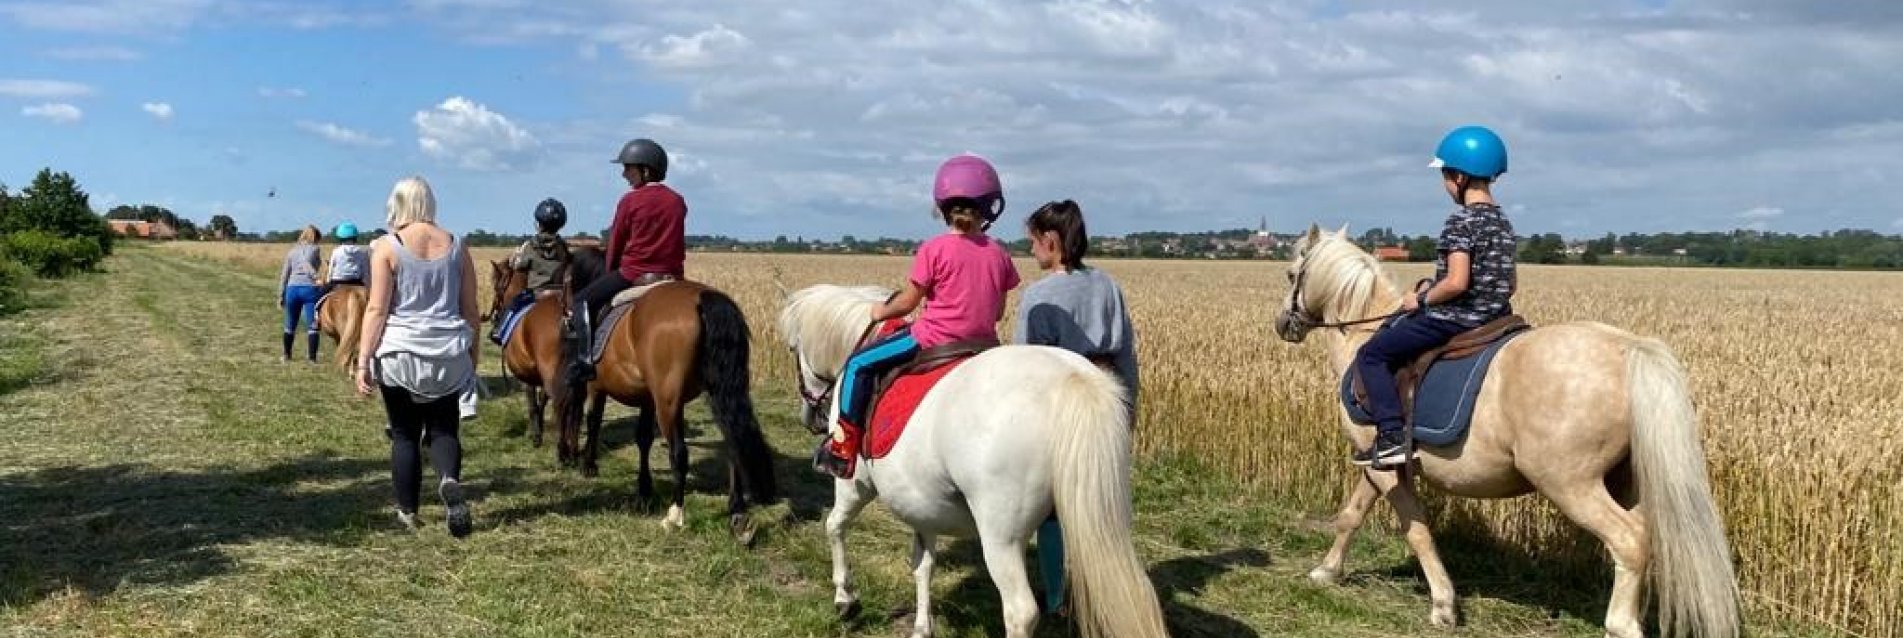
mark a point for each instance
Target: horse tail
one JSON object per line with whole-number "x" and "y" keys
{"x": 1091, "y": 485}
{"x": 1690, "y": 560}
{"x": 349, "y": 326}
{"x": 722, "y": 362}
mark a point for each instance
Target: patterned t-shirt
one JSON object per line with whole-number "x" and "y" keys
{"x": 1483, "y": 232}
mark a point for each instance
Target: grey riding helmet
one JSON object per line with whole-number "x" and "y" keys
{"x": 644, "y": 152}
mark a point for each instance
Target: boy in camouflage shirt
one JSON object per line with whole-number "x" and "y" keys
{"x": 1473, "y": 284}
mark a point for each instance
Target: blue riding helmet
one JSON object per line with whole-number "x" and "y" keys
{"x": 346, "y": 230}
{"x": 1473, "y": 150}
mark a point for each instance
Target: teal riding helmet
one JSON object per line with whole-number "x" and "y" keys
{"x": 1473, "y": 150}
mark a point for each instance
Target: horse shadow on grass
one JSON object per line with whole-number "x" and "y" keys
{"x": 973, "y": 602}
{"x": 95, "y": 529}
{"x": 1575, "y": 580}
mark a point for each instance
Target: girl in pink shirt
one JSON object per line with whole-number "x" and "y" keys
{"x": 962, "y": 276}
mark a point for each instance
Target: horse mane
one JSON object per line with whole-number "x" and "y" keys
{"x": 825, "y": 321}
{"x": 1343, "y": 280}
{"x": 585, "y": 265}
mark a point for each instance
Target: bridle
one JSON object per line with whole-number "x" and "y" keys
{"x": 1300, "y": 319}
{"x": 822, "y": 400}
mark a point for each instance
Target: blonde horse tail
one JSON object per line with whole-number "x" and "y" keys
{"x": 1091, "y": 485}
{"x": 348, "y": 327}
{"x": 1690, "y": 559}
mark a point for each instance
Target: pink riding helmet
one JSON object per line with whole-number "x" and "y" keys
{"x": 969, "y": 176}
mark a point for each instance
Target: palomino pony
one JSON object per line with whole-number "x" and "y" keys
{"x": 340, "y": 316}
{"x": 992, "y": 448}
{"x": 1595, "y": 418}
{"x": 533, "y": 353}
{"x": 678, "y": 340}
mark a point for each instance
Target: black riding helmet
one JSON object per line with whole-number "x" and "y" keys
{"x": 550, "y": 215}
{"x": 644, "y": 152}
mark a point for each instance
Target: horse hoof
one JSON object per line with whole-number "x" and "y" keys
{"x": 1443, "y": 615}
{"x": 743, "y": 530}
{"x": 847, "y": 611}
{"x": 675, "y": 519}
{"x": 1324, "y": 576}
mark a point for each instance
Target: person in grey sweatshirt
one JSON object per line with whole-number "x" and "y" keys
{"x": 298, "y": 291}
{"x": 1080, "y": 309}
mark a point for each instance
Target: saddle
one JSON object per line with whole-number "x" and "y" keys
{"x": 620, "y": 305}
{"x": 898, "y": 392}
{"x": 1465, "y": 345}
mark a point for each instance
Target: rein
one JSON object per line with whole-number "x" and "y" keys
{"x": 819, "y": 401}
{"x": 1299, "y": 315}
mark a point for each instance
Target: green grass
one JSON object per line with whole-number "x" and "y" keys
{"x": 165, "y": 475}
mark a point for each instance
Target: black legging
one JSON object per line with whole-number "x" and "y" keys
{"x": 598, "y": 293}
{"x": 408, "y": 421}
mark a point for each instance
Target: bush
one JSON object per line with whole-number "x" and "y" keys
{"x": 13, "y": 281}
{"x": 52, "y": 256}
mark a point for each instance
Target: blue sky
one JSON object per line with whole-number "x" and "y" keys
{"x": 825, "y": 118}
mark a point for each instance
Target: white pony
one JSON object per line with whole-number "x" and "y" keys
{"x": 992, "y": 448}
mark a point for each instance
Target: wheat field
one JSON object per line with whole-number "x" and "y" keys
{"x": 1792, "y": 374}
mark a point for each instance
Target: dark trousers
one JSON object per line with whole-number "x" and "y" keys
{"x": 1394, "y": 346}
{"x": 600, "y": 292}
{"x": 409, "y": 421}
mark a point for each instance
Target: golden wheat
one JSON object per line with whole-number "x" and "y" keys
{"x": 1792, "y": 374}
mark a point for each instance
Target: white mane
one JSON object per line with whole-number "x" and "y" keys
{"x": 825, "y": 321}
{"x": 1343, "y": 280}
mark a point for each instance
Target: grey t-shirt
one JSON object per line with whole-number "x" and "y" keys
{"x": 1081, "y": 311}
{"x": 300, "y": 266}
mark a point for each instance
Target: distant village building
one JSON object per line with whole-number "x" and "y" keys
{"x": 142, "y": 229}
{"x": 1391, "y": 253}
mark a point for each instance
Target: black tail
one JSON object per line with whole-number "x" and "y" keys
{"x": 724, "y": 352}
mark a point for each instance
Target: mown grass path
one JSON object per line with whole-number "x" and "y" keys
{"x": 163, "y": 474}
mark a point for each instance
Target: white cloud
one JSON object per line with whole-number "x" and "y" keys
{"x": 43, "y": 89}
{"x": 159, "y": 110}
{"x": 106, "y": 16}
{"x": 474, "y": 137}
{"x": 94, "y": 53}
{"x": 342, "y": 135}
{"x": 57, "y": 113}
{"x": 708, "y": 48}
{"x": 1761, "y": 212}
{"x": 270, "y": 92}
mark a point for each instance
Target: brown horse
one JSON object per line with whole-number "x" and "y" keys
{"x": 679, "y": 340}
{"x": 341, "y": 317}
{"x": 533, "y": 354}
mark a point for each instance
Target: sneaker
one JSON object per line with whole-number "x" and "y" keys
{"x": 466, "y": 405}
{"x": 406, "y": 519}
{"x": 457, "y": 510}
{"x": 1389, "y": 451}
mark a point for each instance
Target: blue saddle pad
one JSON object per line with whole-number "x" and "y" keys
{"x": 509, "y": 322}
{"x": 1444, "y": 402}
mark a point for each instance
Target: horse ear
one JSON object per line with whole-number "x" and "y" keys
{"x": 1314, "y": 233}
{"x": 1343, "y": 233}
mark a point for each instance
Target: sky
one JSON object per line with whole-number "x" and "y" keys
{"x": 823, "y": 118}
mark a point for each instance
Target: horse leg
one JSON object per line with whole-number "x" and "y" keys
{"x": 849, "y": 498}
{"x": 1623, "y": 532}
{"x": 1004, "y": 559}
{"x": 537, "y": 399}
{"x": 597, "y": 405}
{"x": 668, "y": 416}
{"x": 1413, "y": 520}
{"x": 924, "y": 555}
{"x": 644, "y": 439}
{"x": 1349, "y": 520}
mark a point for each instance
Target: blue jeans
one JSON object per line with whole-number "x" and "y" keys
{"x": 856, "y": 391}
{"x": 1396, "y": 345}
{"x": 300, "y": 301}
